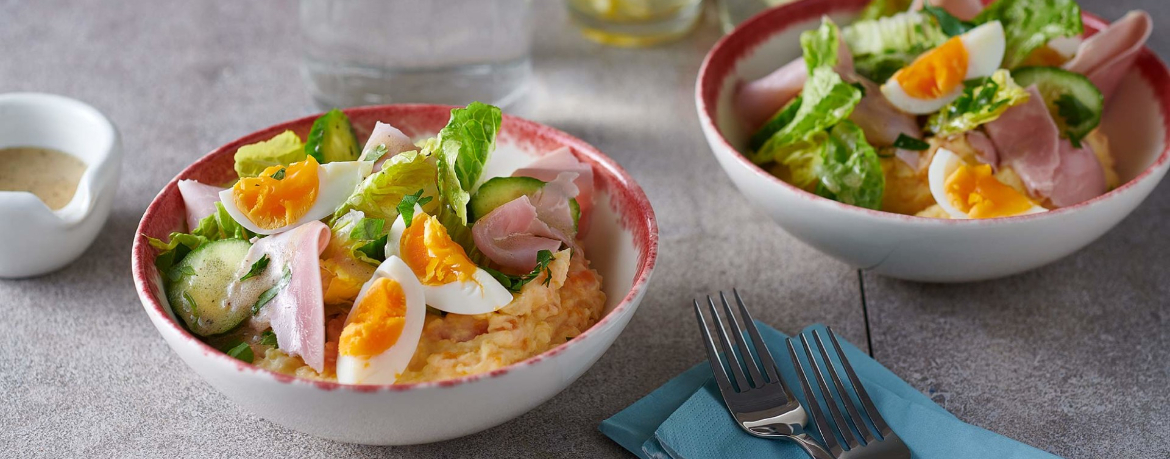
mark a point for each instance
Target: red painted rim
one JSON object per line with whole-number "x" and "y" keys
{"x": 721, "y": 61}
{"x": 631, "y": 204}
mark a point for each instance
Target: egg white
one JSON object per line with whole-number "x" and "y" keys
{"x": 387, "y": 366}
{"x": 335, "y": 183}
{"x": 478, "y": 295}
{"x": 944, "y": 163}
{"x": 985, "y": 47}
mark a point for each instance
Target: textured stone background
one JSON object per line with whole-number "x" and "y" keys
{"x": 1050, "y": 357}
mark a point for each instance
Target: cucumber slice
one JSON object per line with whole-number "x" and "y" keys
{"x": 502, "y": 190}
{"x": 332, "y": 139}
{"x": 198, "y": 293}
{"x": 1076, "y": 104}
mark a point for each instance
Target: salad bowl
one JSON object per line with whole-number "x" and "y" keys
{"x": 623, "y": 243}
{"x": 918, "y": 248}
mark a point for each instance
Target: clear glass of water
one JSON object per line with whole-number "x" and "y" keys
{"x": 364, "y": 52}
{"x": 634, "y": 23}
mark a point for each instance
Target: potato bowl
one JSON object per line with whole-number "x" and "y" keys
{"x": 622, "y": 245}
{"x": 916, "y": 248}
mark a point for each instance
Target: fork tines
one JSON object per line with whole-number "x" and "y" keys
{"x": 844, "y": 424}
{"x": 731, "y": 353}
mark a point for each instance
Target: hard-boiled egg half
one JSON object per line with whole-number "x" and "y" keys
{"x": 284, "y": 197}
{"x": 450, "y": 281}
{"x": 383, "y": 329}
{"x": 936, "y": 77}
{"x": 967, "y": 191}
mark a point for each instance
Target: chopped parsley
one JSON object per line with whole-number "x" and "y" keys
{"x": 375, "y": 249}
{"x": 191, "y": 302}
{"x": 374, "y": 154}
{"x": 241, "y": 351}
{"x": 406, "y": 207}
{"x": 257, "y": 268}
{"x": 268, "y": 338}
{"x": 279, "y": 175}
{"x": 906, "y": 142}
{"x": 269, "y": 294}
{"x": 950, "y": 25}
{"x": 515, "y": 283}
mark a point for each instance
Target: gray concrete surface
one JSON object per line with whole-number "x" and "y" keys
{"x": 1039, "y": 357}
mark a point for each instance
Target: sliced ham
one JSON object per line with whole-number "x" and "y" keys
{"x": 512, "y": 235}
{"x": 395, "y": 141}
{"x": 552, "y": 205}
{"x": 1080, "y": 176}
{"x": 758, "y": 100}
{"x": 877, "y": 117}
{"x": 1107, "y": 56}
{"x": 550, "y": 166}
{"x": 965, "y": 10}
{"x": 985, "y": 150}
{"x": 1026, "y": 138}
{"x": 199, "y": 199}
{"x": 297, "y": 312}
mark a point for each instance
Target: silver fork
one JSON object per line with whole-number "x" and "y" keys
{"x": 763, "y": 407}
{"x": 888, "y": 446}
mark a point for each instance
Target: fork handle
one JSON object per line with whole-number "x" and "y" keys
{"x": 810, "y": 446}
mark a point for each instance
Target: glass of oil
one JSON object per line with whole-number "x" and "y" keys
{"x": 633, "y": 23}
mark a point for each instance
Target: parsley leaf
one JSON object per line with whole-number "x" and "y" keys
{"x": 367, "y": 229}
{"x": 279, "y": 175}
{"x": 949, "y": 24}
{"x": 257, "y": 268}
{"x": 375, "y": 249}
{"x": 374, "y": 154}
{"x": 241, "y": 351}
{"x": 515, "y": 283}
{"x": 268, "y": 338}
{"x": 406, "y": 206}
{"x": 1073, "y": 111}
{"x": 906, "y": 142}
{"x": 269, "y": 294}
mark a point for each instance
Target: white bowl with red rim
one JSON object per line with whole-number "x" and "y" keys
{"x": 917, "y": 248}
{"x": 622, "y": 244}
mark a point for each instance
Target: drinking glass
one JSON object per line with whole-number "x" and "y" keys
{"x": 635, "y": 22}
{"x": 362, "y": 52}
{"x": 733, "y": 12}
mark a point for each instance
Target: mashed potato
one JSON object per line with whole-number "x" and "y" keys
{"x": 539, "y": 318}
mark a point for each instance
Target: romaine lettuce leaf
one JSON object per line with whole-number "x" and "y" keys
{"x": 463, "y": 148}
{"x": 982, "y": 101}
{"x": 379, "y": 194}
{"x": 826, "y": 100}
{"x": 850, "y": 171}
{"x": 283, "y": 149}
{"x": 214, "y": 227}
{"x": 220, "y": 225}
{"x": 882, "y": 46}
{"x": 1030, "y": 24}
{"x": 883, "y": 8}
{"x": 820, "y": 45}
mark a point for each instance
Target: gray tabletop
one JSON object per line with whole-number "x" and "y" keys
{"x": 1072, "y": 358}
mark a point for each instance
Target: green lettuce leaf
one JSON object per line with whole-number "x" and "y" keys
{"x": 883, "y": 8}
{"x": 820, "y": 45}
{"x": 379, "y": 194}
{"x": 214, "y": 227}
{"x": 220, "y": 225}
{"x": 464, "y": 146}
{"x": 850, "y": 171}
{"x": 882, "y": 46}
{"x": 982, "y": 101}
{"x": 775, "y": 124}
{"x": 359, "y": 237}
{"x": 1030, "y": 24}
{"x": 283, "y": 149}
{"x": 826, "y": 100}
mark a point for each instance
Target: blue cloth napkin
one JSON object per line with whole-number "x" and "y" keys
{"x": 686, "y": 418}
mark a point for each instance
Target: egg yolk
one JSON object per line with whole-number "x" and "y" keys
{"x": 979, "y": 194}
{"x": 935, "y": 73}
{"x": 280, "y": 195}
{"x": 432, "y": 255}
{"x": 376, "y": 322}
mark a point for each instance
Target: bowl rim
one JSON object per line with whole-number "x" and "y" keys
{"x": 639, "y": 214}
{"x": 719, "y": 62}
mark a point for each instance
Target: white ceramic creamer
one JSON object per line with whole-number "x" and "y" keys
{"x": 35, "y": 239}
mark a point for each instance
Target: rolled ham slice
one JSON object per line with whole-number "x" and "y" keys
{"x": 881, "y": 122}
{"x": 1027, "y": 139}
{"x": 985, "y": 150}
{"x": 758, "y": 100}
{"x": 965, "y": 10}
{"x": 199, "y": 199}
{"x": 1107, "y": 56}
{"x": 395, "y": 141}
{"x": 512, "y": 235}
{"x": 297, "y": 312}
{"x": 1080, "y": 176}
{"x": 550, "y": 166}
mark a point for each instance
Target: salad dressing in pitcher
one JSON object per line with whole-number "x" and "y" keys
{"x": 50, "y": 175}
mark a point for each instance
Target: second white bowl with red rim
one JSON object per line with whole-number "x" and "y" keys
{"x": 1137, "y": 122}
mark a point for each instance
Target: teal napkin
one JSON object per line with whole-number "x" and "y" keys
{"x": 686, "y": 419}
